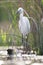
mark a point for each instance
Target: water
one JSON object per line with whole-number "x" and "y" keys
{"x": 3, "y": 52}
{"x": 7, "y": 60}
{"x": 1, "y": 62}
{"x": 20, "y": 59}
{"x": 37, "y": 64}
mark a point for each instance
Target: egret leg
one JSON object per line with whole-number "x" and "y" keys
{"x": 27, "y": 44}
{"x": 22, "y": 39}
{"x": 23, "y": 43}
{"x": 28, "y": 48}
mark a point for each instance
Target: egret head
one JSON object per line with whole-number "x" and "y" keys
{"x": 20, "y": 10}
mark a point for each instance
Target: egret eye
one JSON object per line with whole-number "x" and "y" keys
{"x": 20, "y": 11}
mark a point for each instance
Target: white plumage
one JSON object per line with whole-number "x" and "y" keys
{"x": 24, "y": 27}
{"x": 24, "y": 24}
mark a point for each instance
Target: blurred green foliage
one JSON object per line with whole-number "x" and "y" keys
{"x": 8, "y": 13}
{"x": 42, "y": 2}
{"x": 3, "y": 14}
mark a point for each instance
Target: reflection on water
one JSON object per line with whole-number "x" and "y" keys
{"x": 3, "y": 52}
{"x": 20, "y": 59}
{"x": 5, "y": 59}
{"x": 37, "y": 64}
{"x": 1, "y": 62}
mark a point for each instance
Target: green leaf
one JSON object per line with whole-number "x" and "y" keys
{"x": 42, "y": 2}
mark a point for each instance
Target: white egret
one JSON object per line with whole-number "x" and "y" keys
{"x": 24, "y": 25}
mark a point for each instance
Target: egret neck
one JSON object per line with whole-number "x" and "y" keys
{"x": 21, "y": 16}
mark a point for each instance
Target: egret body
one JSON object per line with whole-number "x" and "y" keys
{"x": 24, "y": 24}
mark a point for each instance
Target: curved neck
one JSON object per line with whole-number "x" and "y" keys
{"x": 21, "y": 16}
